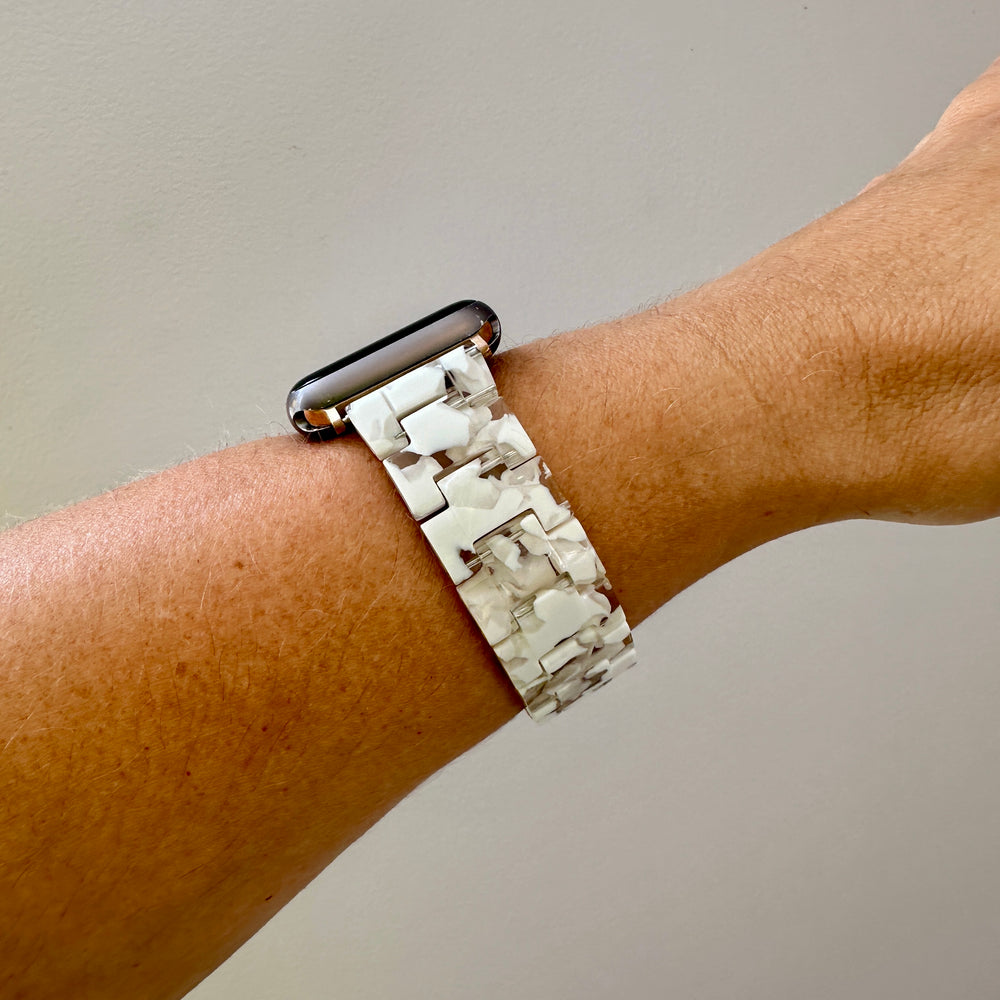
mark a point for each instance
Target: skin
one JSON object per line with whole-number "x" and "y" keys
{"x": 212, "y": 682}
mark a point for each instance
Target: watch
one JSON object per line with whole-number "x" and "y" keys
{"x": 424, "y": 401}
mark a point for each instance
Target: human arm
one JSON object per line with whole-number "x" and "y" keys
{"x": 207, "y": 689}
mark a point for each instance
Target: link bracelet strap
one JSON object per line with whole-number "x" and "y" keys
{"x": 487, "y": 505}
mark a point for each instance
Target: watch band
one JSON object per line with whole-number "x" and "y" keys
{"x": 424, "y": 400}
{"x": 487, "y": 505}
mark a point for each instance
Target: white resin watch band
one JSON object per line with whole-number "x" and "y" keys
{"x": 521, "y": 561}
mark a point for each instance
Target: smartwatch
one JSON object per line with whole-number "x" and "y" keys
{"x": 424, "y": 401}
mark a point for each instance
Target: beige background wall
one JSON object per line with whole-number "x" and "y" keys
{"x": 797, "y": 794}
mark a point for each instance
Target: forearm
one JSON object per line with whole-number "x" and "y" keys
{"x": 215, "y": 679}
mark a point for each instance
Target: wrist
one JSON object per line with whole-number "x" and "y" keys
{"x": 803, "y": 317}
{"x": 674, "y": 437}
{"x": 884, "y": 359}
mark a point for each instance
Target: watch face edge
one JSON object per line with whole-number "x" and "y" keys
{"x": 333, "y": 386}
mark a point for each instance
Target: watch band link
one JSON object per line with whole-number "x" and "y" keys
{"x": 487, "y": 505}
